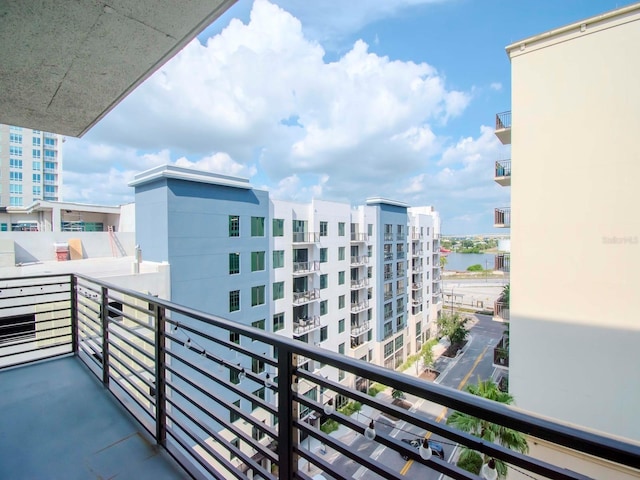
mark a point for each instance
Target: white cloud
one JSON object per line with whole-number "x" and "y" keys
{"x": 497, "y": 86}
{"x": 219, "y": 163}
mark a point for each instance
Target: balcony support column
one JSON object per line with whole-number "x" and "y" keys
{"x": 161, "y": 371}
{"x": 104, "y": 311}
{"x": 73, "y": 293}
{"x": 287, "y": 411}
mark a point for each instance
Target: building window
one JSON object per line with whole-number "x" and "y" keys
{"x": 341, "y": 278}
{"x": 37, "y": 166}
{"x": 257, "y": 295}
{"x": 278, "y": 322}
{"x": 233, "y": 415}
{"x": 388, "y": 349}
{"x": 37, "y": 178}
{"x": 324, "y": 227}
{"x": 341, "y": 229}
{"x": 369, "y": 272}
{"x": 234, "y": 376}
{"x": 341, "y": 253}
{"x": 324, "y": 307}
{"x": 278, "y": 227}
{"x": 17, "y": 151}
{"x": 259, "y": 324}
{"x": 50, "y": 142}
{"x": 370, "y": 229}
{"x": 15, "y": 201}
{"x": 341, "y": 325}
{"x": 278, "y": 258}
{"x": 37, "y": 141}
{"x": 36, "y": 153}
{"x": 257, "y": 261}
{"x": 234, "y": 225}
{"x": 388, "y": 310}
{"x": 324, "y": 281}
{"x": 257, "y": 226}
{"x": 324, "y": 255}
{"x": 15, "y": 138}
{"x": 388, "y": 329}
{"x": 234, "y": 263}
{"x": 257, "y": 366}
{"x": 324, "y": 333}
{"x": 341, "y": 375}
{"x": 15, "y": 163}
{"x": 234, "y": 300}
{"x": 341, "y": 348}
{"x": 341, "y": 301}
{"x": 260, "y": 394}
{"x": 399, "y": 342}
{"x": 234, "y": 337}
{"x": 278, "y": 290}
{"x": 236, "y": 443}
{"x": 37, "y": 190}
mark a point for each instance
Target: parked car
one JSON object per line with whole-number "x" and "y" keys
{"x": 436, "y": 448}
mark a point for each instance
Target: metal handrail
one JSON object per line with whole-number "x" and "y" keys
{"x": 502, "y": 216}
{"x": 503, "y": 120}
{"x": 503, "y": 168}
{"x": 176, "y": 408}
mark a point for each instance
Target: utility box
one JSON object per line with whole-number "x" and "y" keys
{"x": 62, "y": 251}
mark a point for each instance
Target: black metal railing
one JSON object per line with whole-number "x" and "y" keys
{"x": 501, "y": 310}
{"x": 501, "y": 354}
{"x": 503, "y": 168}
{"x": 225, "y": 399}
{"x": 503, "y": 120}
{"x": 502, "y": 262}
{"x": 502, "y": 217}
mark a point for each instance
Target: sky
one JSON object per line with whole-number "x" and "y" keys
{"x": 332, "y": 100}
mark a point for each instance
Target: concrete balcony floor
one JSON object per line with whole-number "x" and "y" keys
{"x": 59, "y": 422}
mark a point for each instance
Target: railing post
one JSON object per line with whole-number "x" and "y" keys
{"x": 287, "y": 411}
{"x": 73, "y": 294}
{"x": 161, "y": 405}
{"x": 104, "y": 310}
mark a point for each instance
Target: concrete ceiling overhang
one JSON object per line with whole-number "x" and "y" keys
{"x": 64, "y": 64}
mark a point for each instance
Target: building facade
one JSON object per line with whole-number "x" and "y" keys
{"x": 574, "y": 240}
{"x": 30, "y": 166}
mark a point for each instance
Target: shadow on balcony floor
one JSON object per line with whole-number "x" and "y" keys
{"x": 59, "y": 422}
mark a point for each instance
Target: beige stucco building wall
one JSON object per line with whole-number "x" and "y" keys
{"x": 575, "y": 328}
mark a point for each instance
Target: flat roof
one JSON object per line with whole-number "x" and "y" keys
{"x": 189, "y": 174}
{"x": 386, "y": 201}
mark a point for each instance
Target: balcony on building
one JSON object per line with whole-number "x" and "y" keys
{"x": 501, "y": 311}
{"x": 359, "y": 328}
{"x": 359, "y": 284}
{"x": 416, "y": 236}
{"x": 304, "y": 268}
{"x": 357, "y": 307}
{"x": 401, "y": 236}
{"x": 359, "y": 237}
{"x": 416, "y": 267}
{"x": 503, "y": 127}
{"x": 306, "y": 324}
{"x": 501, "y": 354}
{"x": 300, "y": 298}
{"x": 502, "y": 217}
{"x": 306, "y": 237}
{"x": 359, "y": 260}
{"x": 502, "y": 262}
{"x": 140, "y": 387}
{"x": 417, "y": 300}
{"x": 388, "y": 256}
{"x": 399, "y": 255}
{"x": 388, "y": 237}
{"x": 435, "y": 274}
{"x": 416, "y": 285}
{"x": 416, "y": 252}
{"x": 503, "y": 172}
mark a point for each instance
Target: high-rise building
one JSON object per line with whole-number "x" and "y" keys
{"x": 30, "y": 166}
{"x": 574, "y": 329}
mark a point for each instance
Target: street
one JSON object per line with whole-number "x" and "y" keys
{"x": 476, "y": 362}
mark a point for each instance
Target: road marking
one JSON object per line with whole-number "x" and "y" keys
{"x": 443, "y": 413}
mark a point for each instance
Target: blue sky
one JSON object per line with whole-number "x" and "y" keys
{"x": 331, "y": 99}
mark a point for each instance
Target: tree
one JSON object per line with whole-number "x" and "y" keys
{"x": 443, "y": 261}
{"x": 427, "y": 355}
{"x": 453, "y": 326}
{"x": 488, "y": 431}
{"x": 397, "y": 394}
{"x": 504, "y": 295}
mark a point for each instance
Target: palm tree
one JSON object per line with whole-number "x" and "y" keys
{"x": 488, "y": 431}
{"x": 443, "y": 261}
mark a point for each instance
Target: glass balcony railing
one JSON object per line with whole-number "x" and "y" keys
{"x": 300, "y": 298}
{"x": 359, "y": 237}
{"x": 305, "y": 325}
{"x": 301, "y": 268}
{"x": 306, "y": 237}
{"x": 180, "y": 373}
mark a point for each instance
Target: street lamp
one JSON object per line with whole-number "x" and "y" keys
{"x": 452, "y": 289}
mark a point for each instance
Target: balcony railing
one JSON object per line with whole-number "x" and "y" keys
{"x": 501, "y": 354}
{"x": 357, "y": 307}
{"x": 502, "y": 217}
{"x": 503, "y": 127}
{"x": 301, "y": 268}
{"x": 436, "y": 298}
{"x": 501, "y": 311}
{"x": 306, "y": 237}
{"x": 388, "y": 237}
{"x": 416, "y": 268}
{"x": 503, "y": 262}
{"x": 503, "y": 172}
{"x": 416, "y": 286}
{"x": 388, "y": 256}
{"x": 359, "y": 237}
{"x": 300, "y": 298}
{"x": 400, "y": 236}
{"x": 358, "y": 284}
{"x": 417, "y": 253}
{"x": 416, "y": 236}
{"x": 305, "y": 325}
{"x": 416, "y": 301}
{"x": 359, "y": 260}
{"x": 359, "y": 328}
{"x": 179, "y": 374}
{"x": 388, "y": 275}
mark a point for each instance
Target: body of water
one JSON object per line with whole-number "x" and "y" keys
{"x": 460, "y": 261}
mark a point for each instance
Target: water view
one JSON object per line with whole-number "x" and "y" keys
{"x": 461, "y": 261}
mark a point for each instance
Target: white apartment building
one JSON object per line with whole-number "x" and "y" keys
{"x": 30, "y": 166}
{"x": 574, "y": 329}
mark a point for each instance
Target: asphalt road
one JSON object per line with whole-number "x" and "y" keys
{"x": 476, "y": 362}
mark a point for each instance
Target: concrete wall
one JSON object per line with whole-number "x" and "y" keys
{"x": 575, "y": 233}
{"x": 39, "y": 246}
